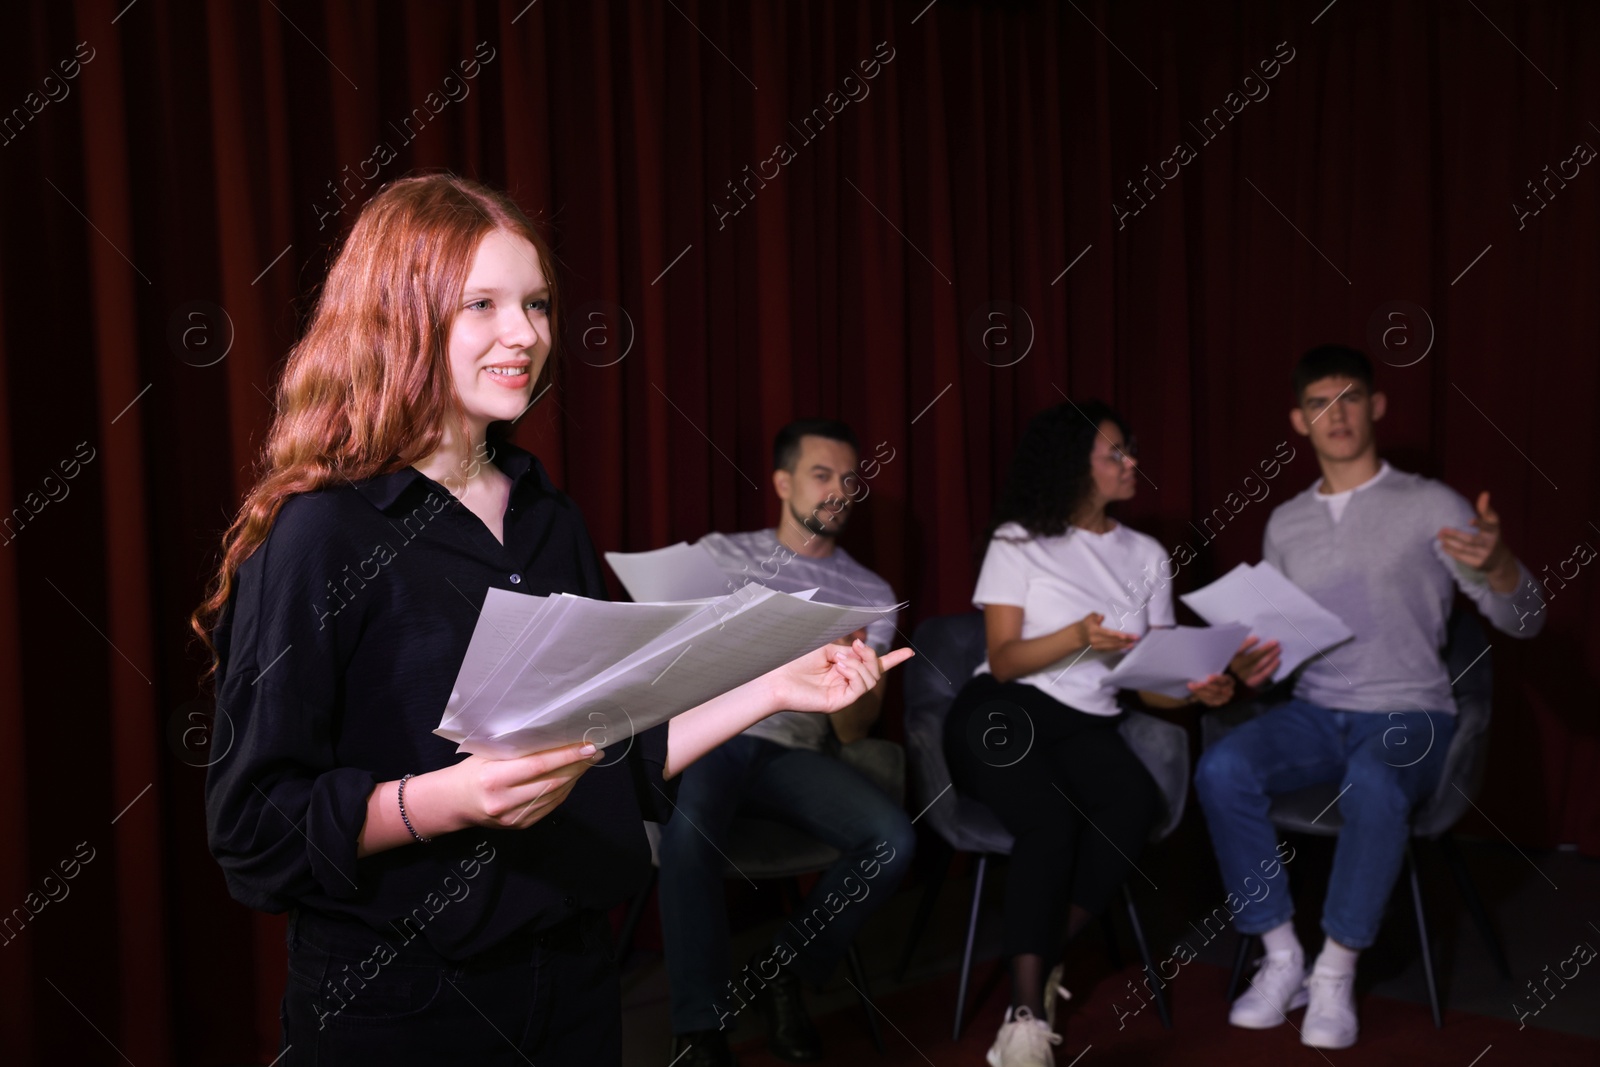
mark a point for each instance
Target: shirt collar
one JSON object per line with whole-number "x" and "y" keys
{"x": 384, "y": 491}
{"x": 1383, "y": 468}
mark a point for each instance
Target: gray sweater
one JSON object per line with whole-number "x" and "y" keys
{"x": 1380, "y": 568}
{"x": 757, "y": 556}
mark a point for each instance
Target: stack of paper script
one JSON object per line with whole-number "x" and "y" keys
{"x": 1166, "y": 659}
{"x": 677, "y": 572}
{"x": 547, "y": 671}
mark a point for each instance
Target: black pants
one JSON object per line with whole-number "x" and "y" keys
{"x": 1066, "y": 786}
{"x": 550, "y": 997}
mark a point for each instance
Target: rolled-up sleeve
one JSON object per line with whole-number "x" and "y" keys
{"x": 648, "y": 760}
{"x": 282, "y": 817}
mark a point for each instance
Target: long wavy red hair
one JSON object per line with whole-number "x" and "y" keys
{"x": 368, "y": 389}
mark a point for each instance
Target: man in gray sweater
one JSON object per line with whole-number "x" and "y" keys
{"x": 1385, "y": 550}
{"x": 783, "y": 769}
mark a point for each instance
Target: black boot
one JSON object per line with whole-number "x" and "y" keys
{"x": 701, "y": 1048}
{"x": 790, "y": 1033}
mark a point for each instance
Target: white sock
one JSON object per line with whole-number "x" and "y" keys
{"x": 1336, "y": 959}
{"x": 1281, "y": 938}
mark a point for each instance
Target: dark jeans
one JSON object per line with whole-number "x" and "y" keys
{"x": 817, "y": 793}
{"x": 552, "y": 998}
{"x": 1068, "y": 788}
{"x": 1387, "y": 762}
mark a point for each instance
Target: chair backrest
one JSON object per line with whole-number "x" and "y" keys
{"x": 1469, "y": 663}
{"x": 1163, "y": 748}
{"x": 949, "y": 648}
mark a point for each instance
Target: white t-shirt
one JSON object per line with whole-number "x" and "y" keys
{"x": 1336, "y": 501}
{"x": 1058, "y": 580}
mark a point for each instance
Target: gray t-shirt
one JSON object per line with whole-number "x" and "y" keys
{"x": 1381, "y": 569}
{"x": 756, "y": 556}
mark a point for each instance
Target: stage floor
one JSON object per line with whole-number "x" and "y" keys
{"x": 1542, "y": 905}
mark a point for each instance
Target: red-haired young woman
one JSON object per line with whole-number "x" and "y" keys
{"x": 442, "y": 908}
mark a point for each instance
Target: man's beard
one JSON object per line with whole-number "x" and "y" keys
{"x": 817, "y": 525}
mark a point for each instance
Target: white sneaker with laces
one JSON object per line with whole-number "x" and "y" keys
{"x": 1053, "y": 989}
{"x": 1277, "y": 988}
{"x": 1024, "y": 1041}
{"x": 1331, "y": 1014}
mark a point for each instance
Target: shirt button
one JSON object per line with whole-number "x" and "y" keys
{"x": 516, "y": 579}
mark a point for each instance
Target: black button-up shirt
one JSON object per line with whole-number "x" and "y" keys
{"x": 338, "y": 648}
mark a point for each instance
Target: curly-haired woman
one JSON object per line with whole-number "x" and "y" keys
{"x": 1065, "y": 590}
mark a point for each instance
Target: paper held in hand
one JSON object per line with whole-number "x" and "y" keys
{"x": 1275, "y": 609}
{"x": 677, "y": 572}
{"x": 1166, "y": 659}
{"x": 541, "y": 672}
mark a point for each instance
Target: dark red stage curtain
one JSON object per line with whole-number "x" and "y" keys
{"x": 931, "y": 221}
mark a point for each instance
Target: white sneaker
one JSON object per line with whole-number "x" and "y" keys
{"x": 1023, "y": 1041}
{"x": 1277, "y": 988}
{"x": 1331, "y": 1015}
{"x": 1053, "y": 989}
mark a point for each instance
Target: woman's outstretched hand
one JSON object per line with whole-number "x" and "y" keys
{"x": 1092, "y": 631}
{"x": 831, "y": 677}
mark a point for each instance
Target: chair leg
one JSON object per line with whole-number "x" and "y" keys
{"x": 1113, "y": 946}
{"x": 860, "y": 978}
{"x": 930, "y": 896}
{"x": 1422, "y": 935}
{"x": 630, "y": 924}
{"x": 1474, "y": 902}
{"x": 966, "y": 956}
{"x": 1157, "y": 986}
{"x": 1240, "y": 958}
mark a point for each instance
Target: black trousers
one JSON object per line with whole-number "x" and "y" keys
{"x": 550, "y": 997}
{"x": 1065, "y": 784}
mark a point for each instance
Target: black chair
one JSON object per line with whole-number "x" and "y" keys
{"x": 1313, "y": 810}
{"x": 949, "y": 649}
{"x": 766, "y": 849}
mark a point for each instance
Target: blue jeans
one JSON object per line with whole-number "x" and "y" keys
{"x": 1385, "y": 763}
{"x": 815, "y": 792}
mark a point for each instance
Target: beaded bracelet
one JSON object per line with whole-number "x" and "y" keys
{"x": 401, "y": 796}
